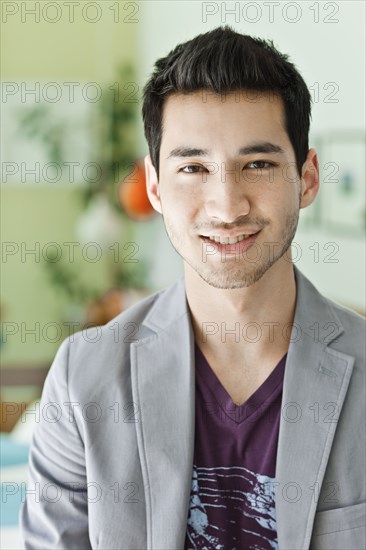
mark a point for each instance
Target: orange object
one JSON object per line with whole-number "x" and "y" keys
{"x": 133, "y": 195}
{"x": 106, "y": 308}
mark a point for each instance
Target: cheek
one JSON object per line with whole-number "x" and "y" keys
{"x": 180, "y": 199}
{"x": 282, "y": 194}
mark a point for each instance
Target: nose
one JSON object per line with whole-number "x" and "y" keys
{"x": 226, "y": 195}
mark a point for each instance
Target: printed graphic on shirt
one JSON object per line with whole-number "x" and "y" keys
{"x": 231, "y": 506}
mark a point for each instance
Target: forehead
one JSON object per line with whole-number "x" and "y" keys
{"x": 208, "y": 115}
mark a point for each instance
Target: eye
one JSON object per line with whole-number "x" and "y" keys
{"x": 192, "y": 169}
{"x": 260, "y": 164}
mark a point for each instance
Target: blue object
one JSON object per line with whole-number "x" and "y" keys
{"x": 12, "y": 496}
{"x": 12, "y": 453}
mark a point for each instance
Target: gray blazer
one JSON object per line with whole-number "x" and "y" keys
{"x": 111, "y": 460}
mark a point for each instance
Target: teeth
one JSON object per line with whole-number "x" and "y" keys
{"x": 229, "y": 240}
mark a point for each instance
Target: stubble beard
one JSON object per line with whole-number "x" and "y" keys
{"x": 240, "y": 272}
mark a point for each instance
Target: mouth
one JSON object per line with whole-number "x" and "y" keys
{"x": 232, "y": 245}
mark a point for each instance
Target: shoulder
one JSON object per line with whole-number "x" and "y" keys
{"x": 353, "y": 323}
{"x": 333, "y": 323}
{"x": 125, "y": 328}
{"x": 101, "y": 354}
{"x": 351, "y": 340}
{"x": 350, "y": 318}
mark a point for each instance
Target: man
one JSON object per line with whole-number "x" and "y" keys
{"x": 226, "y": 411}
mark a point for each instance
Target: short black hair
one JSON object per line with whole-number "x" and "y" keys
{"x": 223, "y": 61}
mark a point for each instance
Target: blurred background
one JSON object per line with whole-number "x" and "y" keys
{"x": 80, "y": 241}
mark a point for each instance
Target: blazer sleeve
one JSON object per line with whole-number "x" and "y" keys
{"x": 54, "y": 513}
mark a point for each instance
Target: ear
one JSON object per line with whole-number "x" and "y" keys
{"x": 152, "y": 184}
{"x": 309, "y": 179}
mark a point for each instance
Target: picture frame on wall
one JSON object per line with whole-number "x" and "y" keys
{"x": 340, "y": 204}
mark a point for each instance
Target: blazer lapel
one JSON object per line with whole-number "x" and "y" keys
{"x": 315, "y": 384}
{"x": 163, "y": 388}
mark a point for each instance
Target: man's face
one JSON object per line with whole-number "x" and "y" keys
{"x": 215, "y": 181}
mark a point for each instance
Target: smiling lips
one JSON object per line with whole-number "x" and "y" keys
{"x": 231, "y": 245}
{"x": 229, "y": 239}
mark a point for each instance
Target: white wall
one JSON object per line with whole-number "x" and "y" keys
{"x": 327, "y": 44}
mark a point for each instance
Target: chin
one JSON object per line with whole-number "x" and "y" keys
{"x": 227, "y": 281}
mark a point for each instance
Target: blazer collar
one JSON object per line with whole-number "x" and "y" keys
{"x": 170, "y": 306}
{"x": 312, "y": 312}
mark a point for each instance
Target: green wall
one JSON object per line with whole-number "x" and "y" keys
{"x": 44, "y": 212}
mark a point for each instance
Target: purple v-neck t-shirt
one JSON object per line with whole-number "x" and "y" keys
{"x": 232, "y": 503}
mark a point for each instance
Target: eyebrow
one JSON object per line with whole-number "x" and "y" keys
{"x": 260, "y": 147}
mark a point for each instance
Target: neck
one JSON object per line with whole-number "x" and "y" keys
{"x": 254, "y": 321}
